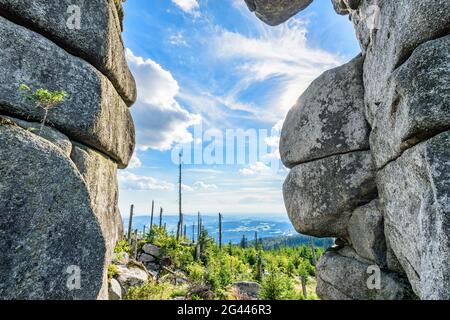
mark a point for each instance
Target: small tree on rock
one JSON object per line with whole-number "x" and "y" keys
{"x": 44, "y": 99}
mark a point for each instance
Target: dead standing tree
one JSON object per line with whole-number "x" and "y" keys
{"x": 220, "y": 231}
{"x": 130, "y": 223}
{"x": 180, "y": 218}
{"x": 151, "y": 217}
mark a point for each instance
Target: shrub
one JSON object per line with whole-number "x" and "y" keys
{"x": 122, "y": 246}
{"x": 150, "y": 291}
{"x": 112, "y": 271}
{"x": 277, "y": 286}
{"x": 44, "y": 99}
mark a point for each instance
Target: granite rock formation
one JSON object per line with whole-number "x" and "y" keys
{"x": 59, "y": 219}
{"x": 387, "y": 114}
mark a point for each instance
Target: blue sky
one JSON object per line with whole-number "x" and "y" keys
{"x": 207, "y": 67}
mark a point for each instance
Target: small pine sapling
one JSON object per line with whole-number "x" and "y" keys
{"x": 44, "y": 99}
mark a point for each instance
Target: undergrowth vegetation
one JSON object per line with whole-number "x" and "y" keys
{"x": 209, "y": 272}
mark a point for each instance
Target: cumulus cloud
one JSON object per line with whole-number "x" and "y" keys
{"x": 160, "y": 120}
{"x": 188, "y": 6}
{"x": 131, "y": 181}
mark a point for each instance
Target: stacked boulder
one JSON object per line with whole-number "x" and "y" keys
{"x": 59, "y": 219}
{"x": 369, "y": 148}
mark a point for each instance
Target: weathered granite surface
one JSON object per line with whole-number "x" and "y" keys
{"x": 46, "y": 222}
{"x": 415, "y": 193}
{"x": 406, "y": 87}
{"x": 342, "y": 278}
{"x": 321, "y": 195}
{"x": 417, "y": 103}
{"x": 59, "y": 219}
{"x": 328, "y": 119}
{"x": 274, "y": 12}
{"x": 93, "y": 113}
{"x": 94, "y": 37}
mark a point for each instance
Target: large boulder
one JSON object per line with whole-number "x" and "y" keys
{"x": 146, "y": 258}
{"x": 414, "y": 191}
{"x": 389, "y": 31}
{"x": 248, "y": 289}
{"x": 100, "y": 174}
{"x": 342, "y": 278}
{"x": 54, "y": 136}
{"x": 151, "y": 249}
{"x": 366, "y": 233}
{"x": 114, "y": 290}
{"x": 93, "y": 114}
{"x": 321, "y": 195}
{"x": 329, "y": 117}
{"x": 49, "y": 236}
{"x": 97, "y": 38}
{"x": 417, "y": 104}
{"x": 131, "y": 277}
{"x": 274, "y": 12}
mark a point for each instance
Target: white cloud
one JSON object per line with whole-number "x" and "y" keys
{"x": 130, "y": 181}
{"x": 160, "y": 120}
{"x": 280, "y": 55}
{"x": 211, "y": 171}
{"x": 178, "y": 39}
{"x": 258, "y": 168}
{"x": 188, "y": 6}
{"x": 200, "y": 185}
{"x": 135, "y": 162}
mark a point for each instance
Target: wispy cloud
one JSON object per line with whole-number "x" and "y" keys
{"x": 200, "y": 185}
{"x": 280, "y": 55}
{"x": 258, "y": 168}
{"x": 188, "y": 6}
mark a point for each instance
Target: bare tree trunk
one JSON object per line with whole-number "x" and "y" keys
{"x": 44, "y": 120}
{"x": 314, "y": 258}
{"x": 220, "y": 231}
{"x": 160, "y": 217}
{"x": 199, "y": 226}
{"x": 305, "y": 293}
{"x": 130, "y": 222}
{"x": 180, "y": 218}
{"x": 135, "y": 244}
{"x": 151, "y": 217}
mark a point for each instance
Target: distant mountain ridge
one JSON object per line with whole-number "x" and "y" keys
{"x": 274, "y": 230}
